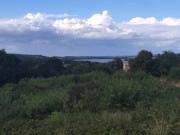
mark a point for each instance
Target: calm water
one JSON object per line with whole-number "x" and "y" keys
{"x": 96, "y": 60}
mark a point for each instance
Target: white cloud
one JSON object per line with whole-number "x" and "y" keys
{"x": 139, "y": 20}
{"x": 165, "y": 43}
{"x": 171, "y": 21}
{"x": 39, "y": 16}
{"x": 100, "y": 20}
{"x": 62, "y": 30}
{"x": 35, "y": 17}
{"x": 68, "y": 24}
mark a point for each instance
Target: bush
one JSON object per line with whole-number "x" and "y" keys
{"x": 119, "y": 103}
{"x": 174, "y": 73}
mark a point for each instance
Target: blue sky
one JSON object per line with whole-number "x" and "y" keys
{"x": 120, "y": 10}
{"x": 89, "y": 27}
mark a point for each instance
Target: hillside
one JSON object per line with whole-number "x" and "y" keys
{"x": 37, "y": 58}
{"x": 93, "y": 103}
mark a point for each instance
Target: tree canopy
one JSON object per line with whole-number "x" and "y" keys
{"x": 143, "y": 61}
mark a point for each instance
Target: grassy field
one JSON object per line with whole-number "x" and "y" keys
{"x": 95, "y": 103}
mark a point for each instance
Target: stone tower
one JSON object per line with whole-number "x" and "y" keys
{"x": 126, "y": 65}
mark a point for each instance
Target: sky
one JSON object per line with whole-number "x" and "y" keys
{"x": 89, "y": 27}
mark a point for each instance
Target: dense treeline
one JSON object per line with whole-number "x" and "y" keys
{"x": 12, "y": 69}
{"x": 159, "y": 65}
{"x": 70, "y": 97}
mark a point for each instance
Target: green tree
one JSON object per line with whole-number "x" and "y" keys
{"x": 27, "y": 68}
{"x": 52, "y": 67}
{"x": 82, "y": 68}
{"x": 116, "y": 64}
{"x": 8, "y": 68}
{"x": 101, "y": 67}
{"x": 143, "y": 61}
{"x": 165, "y": 61}
{"x": 174, "y": 73}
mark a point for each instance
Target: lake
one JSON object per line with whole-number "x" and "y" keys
{"x": 95, "y": 60}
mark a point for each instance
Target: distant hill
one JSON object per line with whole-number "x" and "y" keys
{"x": 38, "y": 58}
{"x": 41, "y": 58}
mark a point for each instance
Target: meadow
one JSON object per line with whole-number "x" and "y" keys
{"x": 97, "y": 103}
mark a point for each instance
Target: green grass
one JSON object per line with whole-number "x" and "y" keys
{"x": 94, "y": 103}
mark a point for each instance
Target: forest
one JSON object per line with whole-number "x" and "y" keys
{"x": 64, "y": 97}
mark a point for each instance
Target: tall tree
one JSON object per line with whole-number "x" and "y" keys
{"x": 27, "y": 68}
{"x": 143, "y": 61}
{"x": 52, "y": 67}
{"x": 8, "y": 68}
{"x": 165, "y": 61}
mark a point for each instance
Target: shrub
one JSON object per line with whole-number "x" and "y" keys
{"x": 174, "y": 73}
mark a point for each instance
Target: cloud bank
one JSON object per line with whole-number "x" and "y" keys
{"x": 50, "y": 34}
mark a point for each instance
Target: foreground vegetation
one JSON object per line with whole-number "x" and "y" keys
{"x": 92, "y": 103}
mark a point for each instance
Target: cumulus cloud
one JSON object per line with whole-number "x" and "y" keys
{"x": 65, "y": 32}
{"x": 100, "y": 20}
{"x": 41, "y": 17}
{"x": 139, "y": 20}
{"x": 171, "y": 21}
